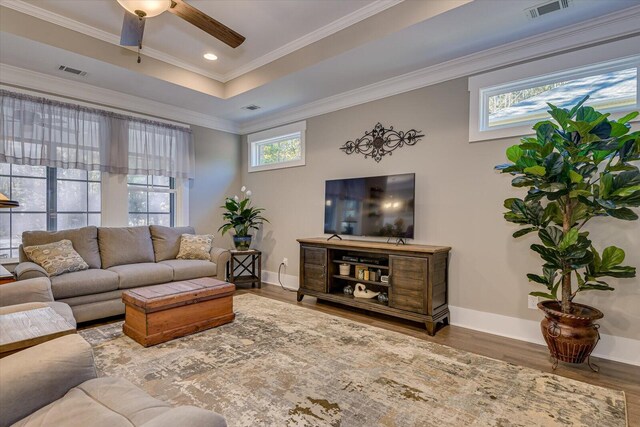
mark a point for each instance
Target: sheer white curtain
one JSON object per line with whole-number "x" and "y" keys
{"x": 41, "y": 132}
{"x": 159, "y": 150}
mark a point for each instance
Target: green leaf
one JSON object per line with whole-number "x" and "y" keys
{"x": 524, "y": 231}
{"x": 536, "y": 170}
{"x": 606, "y": 184}
{"x": 628, "y": 117}
{"x": 554, "y": 164}
{"x": 627, "y": 191}
{"x": 595, "y": 287}
{"x": 622, "y": 213}
{"x": 522, "y": 181}
{"x": 618, "y": 129}
{"x": 611, "y": 257}
{"x": 542, "y": 295}
{"x": 514, "y": 153}
{"x": 560, "y": 115}
{"x": 544, "y": 131}
{"x": 569, "y": 239}
{"x": 531, "y": 146}
{"x": 577, "y": 106}
{"x": 575, "y": 177}
{"x": 550, "y": 236}
{"x": 538, "y": 279}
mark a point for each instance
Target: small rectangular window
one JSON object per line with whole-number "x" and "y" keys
{"x": 277, "y": 148}
{"x": 610, "y": 91}
{"x": 151, "y": 200}
{"x": 503, "y": 108}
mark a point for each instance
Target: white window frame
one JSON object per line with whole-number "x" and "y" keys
{"x": 255, "y": 139}
{"x": 573, "y": 65}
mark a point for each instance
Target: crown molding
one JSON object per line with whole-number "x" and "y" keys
{"x": 23, "y": 78}
{"x": 618, "y": 25}
{"x": 361, "y": 14}
{"x": 365, "y": 12}
{"x": 105, "y": 36}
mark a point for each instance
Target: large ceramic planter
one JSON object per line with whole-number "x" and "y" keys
{"x": 571, "y": 337}
{"x": 242, "y": 243}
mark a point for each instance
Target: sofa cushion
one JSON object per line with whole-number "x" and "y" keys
{"x": 195, "y": 246}
{"x": 36, "y": 376}
{"x": 125, "y": 245}
{"x": 185, "y": 269}
{"x": 85, "y": 282}
{"x": 84, "y": 240}
{"x": 108, "y": 402}
{"x": 56, "y": 258}
{"x": 166, "y": 240}
{"x": 142, "y": 274}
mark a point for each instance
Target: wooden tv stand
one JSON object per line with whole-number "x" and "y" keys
{"x": 417, "y": 285}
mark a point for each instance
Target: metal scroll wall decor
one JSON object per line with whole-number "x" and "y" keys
{"x": 381, "y": 141}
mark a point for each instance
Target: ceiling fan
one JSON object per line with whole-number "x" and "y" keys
{"x": 140, "y": 10}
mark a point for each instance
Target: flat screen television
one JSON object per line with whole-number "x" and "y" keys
{"x": 381, "y": 206}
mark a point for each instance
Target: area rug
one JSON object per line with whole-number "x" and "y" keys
{"x": 279, "y": 364}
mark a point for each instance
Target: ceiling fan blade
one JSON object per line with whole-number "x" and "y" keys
{"x": 206, "y": 23}
{"x": 132, "y": 30}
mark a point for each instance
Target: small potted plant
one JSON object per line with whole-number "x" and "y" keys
{"x": 241, "y": 217}
{"x": 579, "y": 166}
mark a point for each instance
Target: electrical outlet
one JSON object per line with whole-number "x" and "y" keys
{"x": 285, "y": 261}
{"x": 532, "y": 302}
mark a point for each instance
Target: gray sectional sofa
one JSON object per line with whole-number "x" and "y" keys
{"x": 56, "y": 384}
{"x": 119, "y": 258}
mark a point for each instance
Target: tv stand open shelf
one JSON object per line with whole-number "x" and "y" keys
{"x": 417, "y": 285}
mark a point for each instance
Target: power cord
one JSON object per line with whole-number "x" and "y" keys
{"x": 280, "y": 281}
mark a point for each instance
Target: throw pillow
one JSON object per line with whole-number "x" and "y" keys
{"x": 195, "y": 246}
{"x": 56, "y": 258}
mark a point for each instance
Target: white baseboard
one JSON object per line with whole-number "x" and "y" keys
{"x": 611, "y": 347}
{"x": 619, "y": 349}
{"x": 289, "y": 281}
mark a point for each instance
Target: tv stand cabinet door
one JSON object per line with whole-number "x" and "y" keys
{"x": 408, "y": 283}
{"x": 313, "y": 266}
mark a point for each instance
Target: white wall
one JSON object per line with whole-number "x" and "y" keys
{"x": 217, "y": 176}
{"x": 458, "y": 203}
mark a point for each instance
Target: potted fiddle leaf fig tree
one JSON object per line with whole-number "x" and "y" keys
{"x": 578, "y": 166}
{"x": 241, "y": 217}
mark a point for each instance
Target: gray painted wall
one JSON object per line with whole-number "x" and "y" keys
{"x": 458, "y": 203}
{"x": 217, "y": 175}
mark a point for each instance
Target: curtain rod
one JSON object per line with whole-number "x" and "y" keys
{"x": 86, "y": 104}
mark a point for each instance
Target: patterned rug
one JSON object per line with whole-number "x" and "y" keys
{"x": 279, "y": 364}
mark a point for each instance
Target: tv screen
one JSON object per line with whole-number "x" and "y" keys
{"x": 374, "y": 206}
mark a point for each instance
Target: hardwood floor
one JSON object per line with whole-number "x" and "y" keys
{"x": 613, "y": 375}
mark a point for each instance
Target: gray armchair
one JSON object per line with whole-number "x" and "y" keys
{"x": 31, "y": 294}
{"x": 56, "y": 384}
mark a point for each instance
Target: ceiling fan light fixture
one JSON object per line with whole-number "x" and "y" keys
{"x": 145, "y": 8}
{"x": 210, "y": 56}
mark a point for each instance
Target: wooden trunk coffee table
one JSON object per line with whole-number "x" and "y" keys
{"x": 155, "y": 314}
{"x": 24, "y": 329}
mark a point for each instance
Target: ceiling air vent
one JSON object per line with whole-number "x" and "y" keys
{"x": 548, "y": 7}
{"x": 72, "y": 70}
{"x": 251, "y": 107}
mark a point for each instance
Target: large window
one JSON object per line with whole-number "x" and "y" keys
{"x": 277, "y": 148}
{"x": 50, "y": 199}
{"x": 502, "y": 108}
{"x": 151, "y": 200}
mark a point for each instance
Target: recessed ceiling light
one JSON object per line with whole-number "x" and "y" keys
{"x": 210, "y": 57}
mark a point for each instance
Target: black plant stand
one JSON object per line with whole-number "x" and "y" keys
{"x": 245, "y": 267}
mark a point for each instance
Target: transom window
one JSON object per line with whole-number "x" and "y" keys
{"x": 50, "y": 199}
{"x": 502, "y": 109}
{"x": 277, "y": 148}
{"x": 151, "y": 200}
